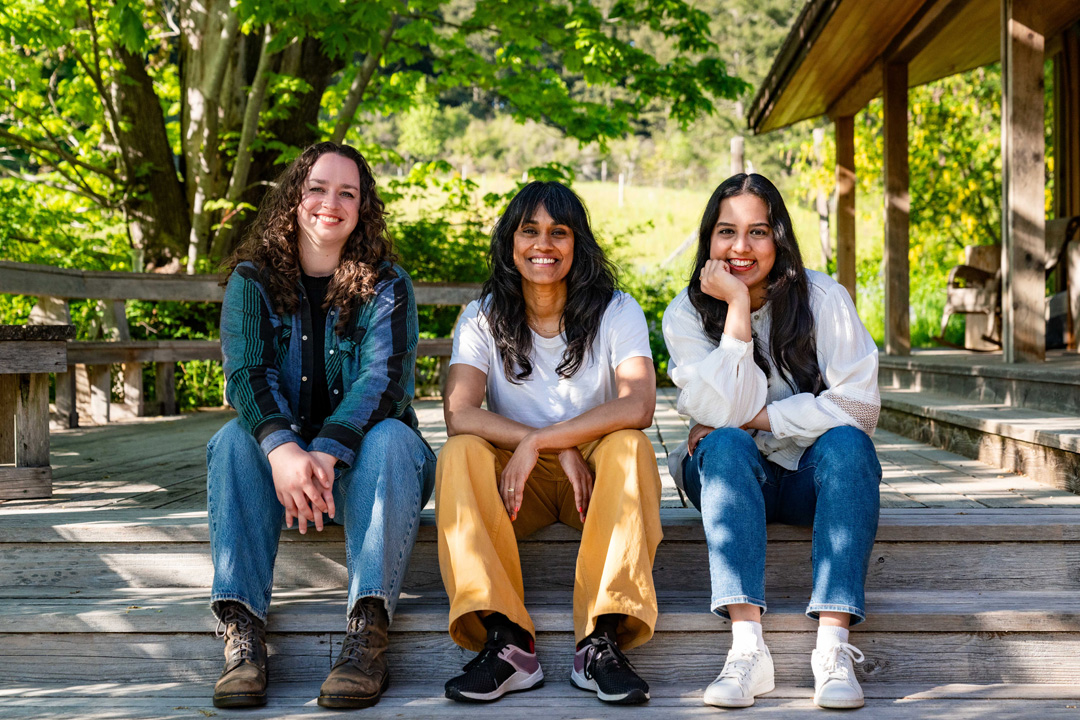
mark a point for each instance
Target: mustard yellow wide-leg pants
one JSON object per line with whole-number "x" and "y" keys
{"x": 478, "y": 553}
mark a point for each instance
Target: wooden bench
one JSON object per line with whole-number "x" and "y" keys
{"x": 86, "y": 387}
{"x": 27, "y": 355}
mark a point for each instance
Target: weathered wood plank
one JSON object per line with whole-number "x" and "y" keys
{"x": 139, "y": 351}
{"x": 32, "y": 421}
{"x": 33, "y": 357}
{"x": 845, "y": 202}
{"x": 17, "y": 483}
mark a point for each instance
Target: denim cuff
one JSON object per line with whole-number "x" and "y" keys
{"x": 719, "y": 606}
{"x": 218, "y": 598}
{"x": 813, "y": 611}
{"x": 327, "y": 445}
{"x": 278, "y": 438}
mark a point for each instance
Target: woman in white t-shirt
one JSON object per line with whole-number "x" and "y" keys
{"x": 775, "y": 358}
{"x": 563, "y": 360}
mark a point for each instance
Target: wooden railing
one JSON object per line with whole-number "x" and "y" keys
{"x": 87, "y": 386}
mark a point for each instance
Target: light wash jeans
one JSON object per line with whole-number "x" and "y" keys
{"x": 378, "y": 500}
{"x": 835, "y": 489}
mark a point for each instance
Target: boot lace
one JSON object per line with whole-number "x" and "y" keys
{"x": 238, "y": 628}
{"x": 357, "y": 639}
{"x": 837, "y": 661}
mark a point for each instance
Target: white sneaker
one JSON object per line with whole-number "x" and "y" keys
{"x": 746, "y": 674}
{"x": 835, "y": 685}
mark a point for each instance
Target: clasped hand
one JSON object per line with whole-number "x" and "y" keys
{"x": 304, "y": 483}
{"x": 523, "y": 462}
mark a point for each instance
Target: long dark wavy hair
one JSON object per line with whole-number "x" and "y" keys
{"x": 590, "y": 284}
{"x": 792, "y": 342}
{"x": 272, "y": 242}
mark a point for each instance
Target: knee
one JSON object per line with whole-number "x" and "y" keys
{"x": 387, "y": 439}
{"x": 848, "y": 449}
{"x": 457, "y": 461}
{"x": 232, "y": 443}
{"x": 727, "y": 444}
{"x": 625, "y": 441}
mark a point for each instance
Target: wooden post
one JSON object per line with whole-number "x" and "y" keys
{"x": 54, "y": 311}
{"x": 9, "y": 385}
{"x": 165, "y": 385}
{"x": 897, "y": 210}
{"x": 738, "y": 155}
{"x": 1023, "y": 186}
{"x": 32, "y": 421}
{"x": 821, "y": 202}
{"x": 845, "y": 203}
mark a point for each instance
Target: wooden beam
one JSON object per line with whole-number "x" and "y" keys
{"x": 45, "y": 280}
{"x": 32, "y": 421}
{"x": 1023, "y": 149}
{"x": 808, "y": 26}
{"x": 897, "y": 211}
{"x": 845, "y": 203}
{"x": 862, "y": 90}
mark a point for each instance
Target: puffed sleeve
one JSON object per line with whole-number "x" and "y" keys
{"x": 848, "y": 359}
{"x": 719, "y": 385}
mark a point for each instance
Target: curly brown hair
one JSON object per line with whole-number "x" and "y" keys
{"x": 272, "y": 242}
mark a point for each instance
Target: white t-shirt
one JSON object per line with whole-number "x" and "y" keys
{"x": 544, "y": 398}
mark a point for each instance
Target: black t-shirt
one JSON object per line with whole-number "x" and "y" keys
{"x": 316, "y": 287}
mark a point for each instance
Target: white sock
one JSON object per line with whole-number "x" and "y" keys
{"x": 829, "y": 636}
{"x": 746, "y": 634}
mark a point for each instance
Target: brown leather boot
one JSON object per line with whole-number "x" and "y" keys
{"x": 360, "y": 676}
{"x": 243, "y": 681}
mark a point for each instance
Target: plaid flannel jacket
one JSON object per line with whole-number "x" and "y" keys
{"x": 268, "y": 362}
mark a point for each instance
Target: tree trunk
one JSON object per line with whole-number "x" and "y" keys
{"x": 158, "y": 209}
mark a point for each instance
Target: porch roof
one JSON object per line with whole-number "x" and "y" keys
{"x": 831, "y": 61}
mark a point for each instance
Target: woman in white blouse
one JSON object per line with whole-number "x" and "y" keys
{"x": 780, "y": 378}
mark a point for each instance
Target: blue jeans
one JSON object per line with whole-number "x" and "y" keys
{"x": 378, "y": 500}
{"x": 835, "y": 489}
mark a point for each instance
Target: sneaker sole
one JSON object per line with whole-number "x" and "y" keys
{"x": 634, "y": 697}
{"x": 852, "y": 704}
{"x": 353, "y": 701}
{"x": 739, "y": 702}
{"x": 518, "y": 682}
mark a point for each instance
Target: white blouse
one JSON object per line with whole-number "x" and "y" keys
{"x": 722, "y": 386}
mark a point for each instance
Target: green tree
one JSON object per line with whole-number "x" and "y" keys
{"x": 175, "y": 115}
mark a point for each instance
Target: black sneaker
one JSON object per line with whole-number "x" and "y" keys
{"x": 601, "y": 667}
{"x": 500, "y": 668}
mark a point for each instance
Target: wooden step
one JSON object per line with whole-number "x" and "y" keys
{"x": 916, "y": 549}
{"x": 1041, "y": 444}
{"x": 556, "y": 700}
{"x": 1053, "y": 385}
{"x": 934, "y": 637}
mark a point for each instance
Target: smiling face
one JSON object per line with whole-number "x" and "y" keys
{"x": 543, "y": 249}
{"x": 743, "y": 238}
{"x": 330, "y": 203}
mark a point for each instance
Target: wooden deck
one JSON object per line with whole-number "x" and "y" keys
{"x": 104, "y": 590}
{"x": 160, "y": 464}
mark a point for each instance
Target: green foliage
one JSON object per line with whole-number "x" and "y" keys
{"x": 654, "y": 290}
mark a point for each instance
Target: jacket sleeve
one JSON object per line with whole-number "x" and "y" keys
{"x": 848, "y": 359}
{"x": 719, "y": 385}
{"x": 384, "y": 386}
{"x": 249, "y": 358}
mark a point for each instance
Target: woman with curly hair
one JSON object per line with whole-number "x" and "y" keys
{"x": 779, "y": 377}
{"x": 318, "y": 337}
{"x": 563, "y": 359}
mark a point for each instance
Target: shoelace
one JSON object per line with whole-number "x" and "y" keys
{"x": 738, "y": 664}
{"x": 239, "y": 628}
{"x": 837, "y": 668}
{"x": 491, "y": 652}
{"x": 356, "y": 637}
{"x": 602, "y": 650}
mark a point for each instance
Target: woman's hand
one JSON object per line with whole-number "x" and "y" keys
{"x": 516, "y": 474}
{"x": 327, "y": 462}
{"x": 718, "y": 282}
{"x": 697, "y": 432}
{"x": 581, "y": 478}
{"x": 299, "y": 482}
